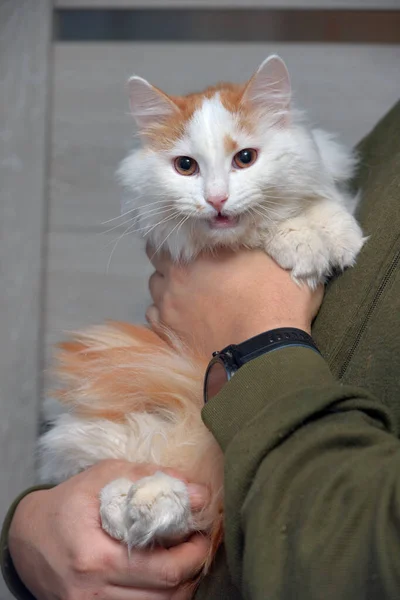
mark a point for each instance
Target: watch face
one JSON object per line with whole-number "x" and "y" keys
{"x": 216, "y": 377}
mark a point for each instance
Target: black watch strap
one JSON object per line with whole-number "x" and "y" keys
{"x": 269, "y": 341}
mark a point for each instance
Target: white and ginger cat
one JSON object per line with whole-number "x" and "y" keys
{"x": 235, "y": 165}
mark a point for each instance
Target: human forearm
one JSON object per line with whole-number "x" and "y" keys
{"x": 10, "y": 575}
{"x": 311, "y": 467}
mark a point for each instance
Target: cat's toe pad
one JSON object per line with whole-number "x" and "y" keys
{"x": 157, "y": 511}
{"x": 153, "y": 510}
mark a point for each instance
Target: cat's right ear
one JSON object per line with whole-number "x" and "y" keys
{"x": 149, "y": 105}
{"x": 269, "y": 89}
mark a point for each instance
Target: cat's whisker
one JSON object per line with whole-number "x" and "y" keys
{"x": 170, "y": 233}
{"x": 128, "y": 212}
{"x": 155, "y": 211}
{"x": 121, "y": 216}
{"x": 130, "y": 230}
{"x": 249, "y": 212}
{"x": 148, "y": 209}
{"x": 284, "y": 197}
{"x": 149, "y": 228}
{"x": 182, "y": 222}
{"x": 119, "y": 225}
{"x": 146, "y": 204}
{"x": 263, "y": 215}
{"x": 115, "y": 245}
{"x": 267, "y": 200}
{"x": 268, "y": 211}
{"x": 169, "y": 218}
{"x": 277, "y": 188}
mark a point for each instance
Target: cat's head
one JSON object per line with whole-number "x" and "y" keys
{"x": 213, "y": 165}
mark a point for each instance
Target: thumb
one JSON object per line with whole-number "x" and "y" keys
{"x": 199, "y": 496}
{"x": 153, "y": 316}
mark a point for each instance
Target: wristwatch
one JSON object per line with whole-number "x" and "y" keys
{"x": 225, "y": 363}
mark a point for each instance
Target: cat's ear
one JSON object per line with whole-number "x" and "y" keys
{"x": 149, "y": 105}
{"x": 269, "y": 89}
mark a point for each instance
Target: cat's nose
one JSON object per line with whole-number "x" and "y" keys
{"x": 217, "y": 201}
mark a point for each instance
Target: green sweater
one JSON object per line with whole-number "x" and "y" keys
{"x": 311, "y": 444}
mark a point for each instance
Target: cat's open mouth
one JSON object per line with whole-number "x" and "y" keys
{"x": 223, "y": 222}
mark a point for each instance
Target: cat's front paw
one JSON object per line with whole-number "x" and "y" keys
{"x": 346, "y": 245}
{"x": 301, "y": 251}
{"x": 154, "y": 510}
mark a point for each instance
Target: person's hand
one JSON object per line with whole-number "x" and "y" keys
{"x": 60, "y": 551}
{"x": 226, "y": 298}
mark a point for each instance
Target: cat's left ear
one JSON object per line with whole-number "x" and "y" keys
{"x": 269, "y": 89}
{"x": 149, "y": 105}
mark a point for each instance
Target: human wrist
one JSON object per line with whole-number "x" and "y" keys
{"x": 262, "y": 382}
{"x": 23, "y": 515}
{"x": 252, "y": 329}
{"x": 225, "y": 363}
{"x": 245, "y": 329}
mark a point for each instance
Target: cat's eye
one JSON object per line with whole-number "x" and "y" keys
{"x": 245, "y": 158}
{"x": 186, "y": 165}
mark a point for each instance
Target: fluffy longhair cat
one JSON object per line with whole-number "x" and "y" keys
{"x": 235, "y": 165}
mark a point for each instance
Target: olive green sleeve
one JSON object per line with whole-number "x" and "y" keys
{"x": 10, "y": 575}
{"x": 312, "y": 482}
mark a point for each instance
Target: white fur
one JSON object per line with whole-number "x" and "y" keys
{"x": 74, "y": 444}
{"x": 155, "y": 509}
{"x": 299, "y": 174}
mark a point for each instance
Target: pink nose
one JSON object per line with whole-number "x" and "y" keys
{"x": 217, "y": 201}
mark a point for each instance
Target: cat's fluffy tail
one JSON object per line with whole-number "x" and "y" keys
{"x": 111, "y": 370}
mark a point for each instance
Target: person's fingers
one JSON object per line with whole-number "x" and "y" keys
{"x": 104, "y": 471}
{"x": 157, "y": 287}
{"x": 318, "y": 297}
{"x": 185, "y": 560}
{"x": 127, "y": 593}
{"x": 153, "y": 316}
{"x": 159, "y": 568}
{"x": 159, "y": 259}
{"x": 199, "y": 496}
{"x": 184, "y": 592}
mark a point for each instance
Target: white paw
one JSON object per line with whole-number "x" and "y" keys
{"x": 113, "y": 499}
{"x": 154, "y": 510}
{"x": 312, "y": 246}
{"x": 346, "y": 246}
{"x": 302, "y": 251}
